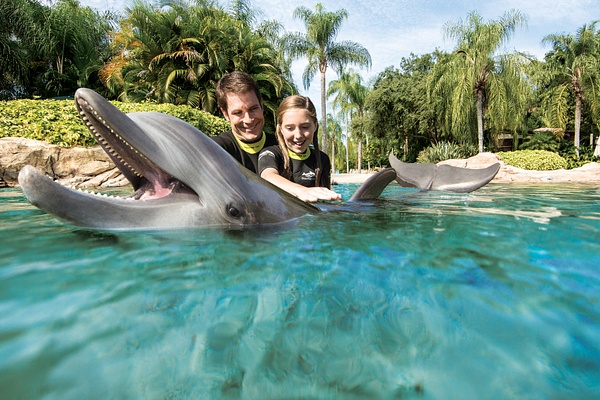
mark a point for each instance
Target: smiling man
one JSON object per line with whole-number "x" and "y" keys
{"x": 240, "y": 101}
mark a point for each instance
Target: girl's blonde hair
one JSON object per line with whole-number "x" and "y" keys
{"x": 297, "y": 102}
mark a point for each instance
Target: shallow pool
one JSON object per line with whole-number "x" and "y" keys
{"x": 488, "y": 295}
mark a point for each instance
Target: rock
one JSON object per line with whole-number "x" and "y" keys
{"x": 481, "y": 160}
{"x": 81, "y": 167}
{"x": 588, "y": 173}
{"x": 15, "y": 153}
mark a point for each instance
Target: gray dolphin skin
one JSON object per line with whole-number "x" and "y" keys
{"x": 182, "y": 178}
{"x": 442, "y": 177}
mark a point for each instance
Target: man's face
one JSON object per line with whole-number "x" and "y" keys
{"x": 245, "y": 114}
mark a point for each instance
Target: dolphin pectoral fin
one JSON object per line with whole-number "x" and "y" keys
{"x": 372, "y": 187}
{"x": 442, "y": 177}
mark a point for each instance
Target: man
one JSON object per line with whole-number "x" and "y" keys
{"x": 240, "y": 101}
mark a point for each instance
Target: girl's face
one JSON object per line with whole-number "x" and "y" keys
{"x": 298, "y": 129}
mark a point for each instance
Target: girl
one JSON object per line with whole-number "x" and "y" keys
{"x": 292, "y": 165}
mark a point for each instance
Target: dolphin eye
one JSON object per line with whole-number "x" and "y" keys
{"x": 233, "y": 211}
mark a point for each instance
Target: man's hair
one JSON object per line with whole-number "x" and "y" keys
{"x": 235, "y": 82}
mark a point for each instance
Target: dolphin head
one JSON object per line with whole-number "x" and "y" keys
{"x": 181, "y": 178}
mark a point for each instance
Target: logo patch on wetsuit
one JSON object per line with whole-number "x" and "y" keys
{"x": 266, "y": 153}
{"x": 308, "y": 176}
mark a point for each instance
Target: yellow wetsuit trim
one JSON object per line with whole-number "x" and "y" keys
{"x": 252, "y": 148}
{"x": 297, "y": 156}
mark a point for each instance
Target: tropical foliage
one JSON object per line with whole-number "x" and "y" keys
{"x": 174, "y": 52}
{"x": 350, "y": 95}
{"x": 572, "y": 71}
{"x": 475, "y": 80}
{"x": 57, "y": 122}
{"x": 445, "y": 151}
{"x": 400, "y": 116}
{"x": 336, "y": 145}
{"x": 541, "y": 141}
{"x": 50, "y": 51}
{"x": 540, "y": 160}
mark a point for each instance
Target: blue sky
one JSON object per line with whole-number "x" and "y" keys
{"x": 392, "y": 29}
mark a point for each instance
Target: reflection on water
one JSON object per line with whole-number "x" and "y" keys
{"x": 493, "y": 294}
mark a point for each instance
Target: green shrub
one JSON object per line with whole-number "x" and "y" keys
{"x": 541, "y": 141}
{"x": 57, "y": 122}
{"x": 445, "y": 151}
{"x": 586, "y": 154}
{"x": 539, "y": 160}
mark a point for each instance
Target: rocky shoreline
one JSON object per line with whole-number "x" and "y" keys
{"x": 78, "y": 166}
{"x": 588, "y": 173}
{"x": 92, "y": 168}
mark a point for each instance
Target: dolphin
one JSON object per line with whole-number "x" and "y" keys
{"x": 182, "y": 178}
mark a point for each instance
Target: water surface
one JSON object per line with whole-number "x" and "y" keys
{"x": 493, "y": 294}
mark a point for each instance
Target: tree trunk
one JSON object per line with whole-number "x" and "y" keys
{"x": 368, "y": 162}
{"x": 359, "y": 163}
{"x": 480, "y": 120}
{"x": 577, "y": 123}
{"x": 323, "y": 114}
{"x": 333, "y": 155}
{"x": 348, "y": 154}
{"x": 59, "y": 64}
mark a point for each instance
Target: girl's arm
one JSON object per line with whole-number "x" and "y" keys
{"x": 308, "y": 194}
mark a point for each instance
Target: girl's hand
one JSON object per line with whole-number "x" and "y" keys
{"x": 314, "y": 194}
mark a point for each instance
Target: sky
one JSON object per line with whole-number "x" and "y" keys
{"x": 393, "y": 29}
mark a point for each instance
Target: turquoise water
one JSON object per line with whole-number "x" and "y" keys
{"x": 488, "y": 295}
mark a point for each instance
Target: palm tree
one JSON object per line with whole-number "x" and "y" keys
{"x": 572, "y": 68}
{"x": 74, "y": 41}
{"x": 474, "y": 79}
{"x": 51, "y": 50}
{"x": 178, "y": 52}
{"x": 342, "y": 101}
{"x": 351, "y": 95}
{"x": 319, "y": 47}
{"x": 16, "y": 26}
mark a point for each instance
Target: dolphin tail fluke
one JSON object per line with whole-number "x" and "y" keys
{"x": 442, "y": 177}
{"x": 463, "y": 180}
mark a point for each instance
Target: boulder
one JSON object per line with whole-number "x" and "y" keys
{"x": 81, "y": 167}
{"x": 481, "y": 160}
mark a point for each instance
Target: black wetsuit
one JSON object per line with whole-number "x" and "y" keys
{"x": 303, "y": 171}
{"x": 227, "y": 141}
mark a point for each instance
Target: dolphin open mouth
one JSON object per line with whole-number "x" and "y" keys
{"x": 147, "y": 179}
